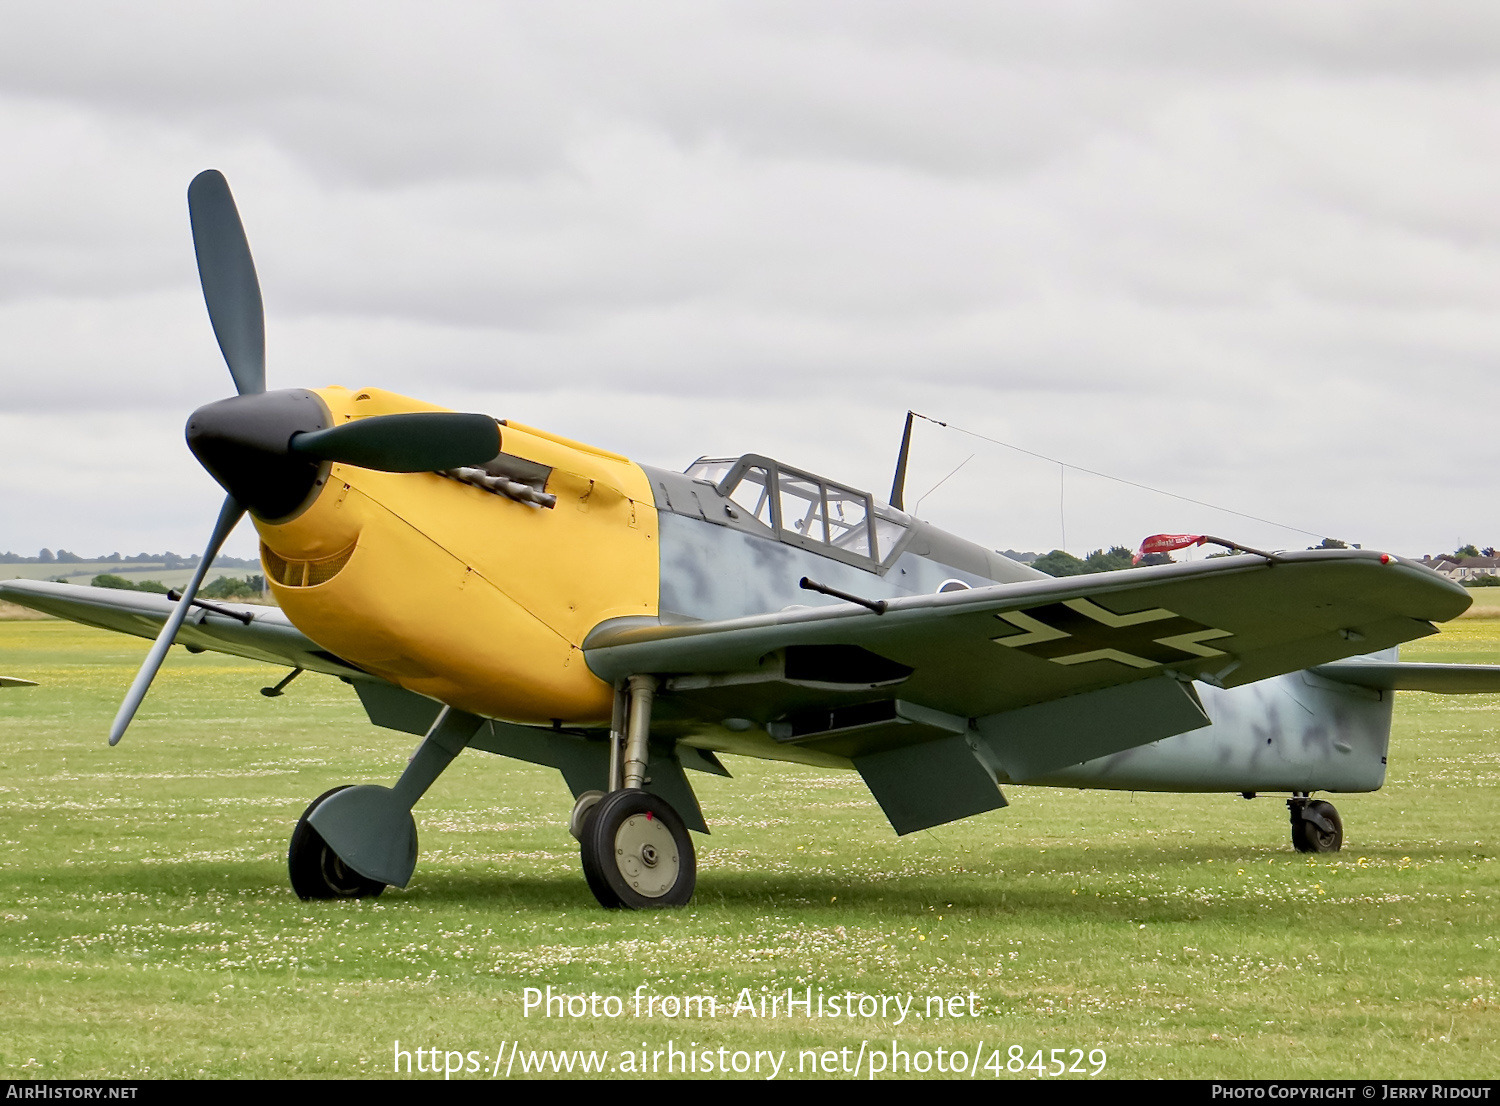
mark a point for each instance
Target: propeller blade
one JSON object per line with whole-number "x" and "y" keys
{"x": 419, "y": 441}
{"x": 227, "y": 272}
{"x": 229, "y": 514}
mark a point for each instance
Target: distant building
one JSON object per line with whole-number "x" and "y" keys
{"x": 1462, "y": 568}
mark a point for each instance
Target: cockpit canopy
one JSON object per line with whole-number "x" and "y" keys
{"x": 806, "y": 510}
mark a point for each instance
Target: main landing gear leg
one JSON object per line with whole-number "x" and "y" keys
{"x": 1316, "y": 826}
{"x": 636, "y": 851}
{"x": 353, "y": 841}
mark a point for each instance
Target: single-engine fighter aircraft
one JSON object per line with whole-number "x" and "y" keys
{"x": 492, "y": 586}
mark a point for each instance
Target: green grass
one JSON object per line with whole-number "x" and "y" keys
{"x": 146, "y": 927}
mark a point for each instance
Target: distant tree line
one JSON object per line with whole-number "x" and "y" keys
{"x": 167, "y": 560}
{"x": 1062, "y": 563}
{"x": 105, "y": 580}
{"x": 225, "y": 587}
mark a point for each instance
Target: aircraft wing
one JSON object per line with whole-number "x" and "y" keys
{"x": 1226, "y": 620}
{"x": 268, "y": 636}
{"x": 1035, "y": 675}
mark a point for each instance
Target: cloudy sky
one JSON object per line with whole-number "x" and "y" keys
{"x": 1245, "y": 252}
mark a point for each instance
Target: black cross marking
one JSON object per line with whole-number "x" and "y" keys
{"x": 1077, "y": 631}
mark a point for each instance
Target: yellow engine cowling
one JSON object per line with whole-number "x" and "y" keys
{"x": 462, "y": 594}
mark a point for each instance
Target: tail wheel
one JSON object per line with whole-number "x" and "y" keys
{"x": 317, "y": 871}
{"x": 1310, "y": 837}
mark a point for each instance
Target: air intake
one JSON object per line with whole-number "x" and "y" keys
{"x": 302, "y": 574}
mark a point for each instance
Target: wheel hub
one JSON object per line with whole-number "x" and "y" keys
{"x": 337, "y": 875}
{"x": 646, "y": 855}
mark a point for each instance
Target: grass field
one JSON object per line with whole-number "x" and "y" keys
{"x": 146, "y": 926}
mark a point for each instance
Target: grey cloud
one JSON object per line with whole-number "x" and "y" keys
{"x": 1246, "y": 249}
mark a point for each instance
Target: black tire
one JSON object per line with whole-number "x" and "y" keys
{"x": 317, "y": 871}
{"x": 1300, "y": 840}
{"x": 639, "y": 852}
{"x": 593, "y": 875}
{"x": 1308, "y": 837}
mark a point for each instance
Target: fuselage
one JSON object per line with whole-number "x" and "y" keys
{"x": 483, "y": 600}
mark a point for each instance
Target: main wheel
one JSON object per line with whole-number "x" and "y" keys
{"x": 593, "y": 874}
{"x": 1309, "y": 837}
{"x": 637, "y": 853}
{"x": 317, "y": 871}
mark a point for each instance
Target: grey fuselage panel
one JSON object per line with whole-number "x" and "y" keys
{"x": 1296, "y": 732}
{"x": 717, "y": 563}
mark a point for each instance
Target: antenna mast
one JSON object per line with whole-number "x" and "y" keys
{"x": 898, "y": 486}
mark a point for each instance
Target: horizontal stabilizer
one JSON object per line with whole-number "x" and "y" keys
{"x": 1447, "y": 679}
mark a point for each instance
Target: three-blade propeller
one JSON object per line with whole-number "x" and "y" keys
{"x": 231, "y": 290}
{"x": 421, "y": 441}
{"x": 264, "y": 448}
{"x": 229, "y": 515}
